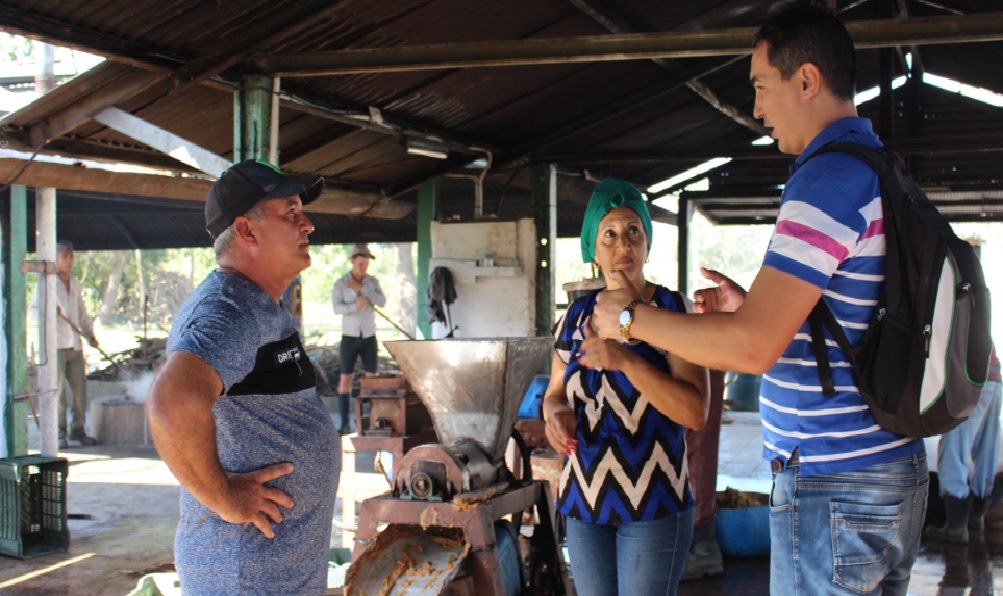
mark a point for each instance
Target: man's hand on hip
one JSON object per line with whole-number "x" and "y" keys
{"x": 250, "y": 501}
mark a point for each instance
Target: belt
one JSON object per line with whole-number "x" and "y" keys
{"x": 777, "y": 465}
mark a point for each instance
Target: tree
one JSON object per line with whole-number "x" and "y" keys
{"x": 14, "y": 48}
{"x": 407, "y": 310}
{"x": 111, "y": 289}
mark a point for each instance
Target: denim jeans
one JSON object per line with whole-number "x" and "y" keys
{"x": 635, "y": 559}
{"x": 850, "y": 533}
{"x": 975, "y": 443}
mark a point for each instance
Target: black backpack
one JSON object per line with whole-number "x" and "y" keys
{"x": 925, "y": 355}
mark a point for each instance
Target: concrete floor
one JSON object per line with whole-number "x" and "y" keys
{"x": 123, "y": 507}
{"x": 130, "y": 504}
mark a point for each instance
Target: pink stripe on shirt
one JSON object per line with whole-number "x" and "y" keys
{"x": 875, "y": 228}
{"x": 813, "y": 237}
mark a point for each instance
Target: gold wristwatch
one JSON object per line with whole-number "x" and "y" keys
{"x": 626, "y": 319}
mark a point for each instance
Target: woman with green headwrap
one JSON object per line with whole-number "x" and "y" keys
{"x": 617, "y": 410}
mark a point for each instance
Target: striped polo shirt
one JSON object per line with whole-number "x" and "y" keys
{"x": 830, "y": 233}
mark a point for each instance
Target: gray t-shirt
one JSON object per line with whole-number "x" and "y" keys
{"x": 269, "y": 413}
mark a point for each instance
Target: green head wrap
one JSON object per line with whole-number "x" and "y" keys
{"x": 610, "y": 194}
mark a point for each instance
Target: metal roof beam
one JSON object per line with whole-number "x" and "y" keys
{"x": 50, "y": 175}
{"x": 921, "y": 146}
{"x": 18, "y": 21}
{"x": 616, "y": 24}
{"x": 620, "y": 106}
{"x": 65, "y": 120}
{"x": 180, "y": 149}
{"x": 877, "y": 33}
{"x": 335, "y": 200}
{"x": 289, "y": 22}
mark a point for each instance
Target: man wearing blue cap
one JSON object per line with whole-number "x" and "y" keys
{"x": 234, "y": 412}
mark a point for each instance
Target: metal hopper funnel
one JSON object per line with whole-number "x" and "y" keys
{"x": 472, "y": 387}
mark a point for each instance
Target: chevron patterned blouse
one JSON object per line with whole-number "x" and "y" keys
{"x": 630, "y": 464}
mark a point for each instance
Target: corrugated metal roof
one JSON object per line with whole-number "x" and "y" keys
{"x": 175, "y": 64}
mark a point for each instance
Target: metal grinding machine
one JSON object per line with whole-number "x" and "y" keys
{"x": 444, "y": 518}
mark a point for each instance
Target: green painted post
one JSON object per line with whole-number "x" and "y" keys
{"x": 426, "y": 213}
{"x": 14, "y": 243}
{"x": 544, "y": 193}
{"x": 252, "y": 119}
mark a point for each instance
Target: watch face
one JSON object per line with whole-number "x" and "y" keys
{"x": 624, "y": 317}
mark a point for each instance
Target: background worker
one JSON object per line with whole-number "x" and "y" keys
{"x": 966, "y": 464}
{"x": 70, "y": 364}
{"x": 353, "y": 297}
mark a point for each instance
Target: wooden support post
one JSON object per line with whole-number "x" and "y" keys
{"x": 346, "y": 488}
{"x": 544, "y": 193}
{"x": 683, "y": 234}
{"x": 14, "y": 247}
{"x": 426, "y": 213}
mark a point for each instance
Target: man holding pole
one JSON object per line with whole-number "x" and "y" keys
{"x": 72, "y": 316}
{"x": 355, "y": 297}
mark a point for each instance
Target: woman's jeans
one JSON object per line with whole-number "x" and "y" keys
{"x": 635, "y": 559}
{"x": 850, "y": 533}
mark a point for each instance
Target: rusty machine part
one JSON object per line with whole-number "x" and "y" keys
{"x": 438, "y": 473}
{"x": 397, "y": 420}
{"x": 472, "y": 389}
{"x": 426, "y": 561}
{"x": 394, "y": 408}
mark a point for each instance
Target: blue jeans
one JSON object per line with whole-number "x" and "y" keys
{"x": 850, "y": 533}
{"x": 975, "y": 441}
{"x": 636, "y": 559}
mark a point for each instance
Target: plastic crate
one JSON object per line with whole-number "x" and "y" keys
{"x": 33, "y": 506}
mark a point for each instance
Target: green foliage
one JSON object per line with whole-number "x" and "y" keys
{"x": 169, "y": 276}
{"x": 736, "y": 251}
{"x": 331, "y": 261}
{"x": 14, "y": 48}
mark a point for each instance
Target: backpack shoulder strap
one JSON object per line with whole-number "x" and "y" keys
{"x": 821, "y": 316}
{"x": 879, "y": 161}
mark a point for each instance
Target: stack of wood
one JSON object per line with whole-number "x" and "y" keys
{"x": 326, "y": 359}
{"x": 133, "y": 363}
{"x": 150, "y": 354}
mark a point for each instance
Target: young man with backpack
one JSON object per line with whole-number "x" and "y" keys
{"x": 849, "y": 497}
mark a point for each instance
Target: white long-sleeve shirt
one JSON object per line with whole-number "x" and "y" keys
{"x": 357, "y": 322}
{"x": 71, "y": 303}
